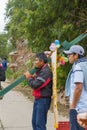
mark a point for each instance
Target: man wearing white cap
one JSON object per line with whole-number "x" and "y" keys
{"x": 76, "y": 84}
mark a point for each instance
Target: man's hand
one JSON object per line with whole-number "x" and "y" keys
{"x": 27, "y": 75}
{"x": 82, "y": 119}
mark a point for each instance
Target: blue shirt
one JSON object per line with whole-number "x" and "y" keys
{"x": 77, "y": 76}
{"x": 4, "y": 63}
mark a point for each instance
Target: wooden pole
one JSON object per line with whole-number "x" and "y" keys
{"x": 55, "y": 95}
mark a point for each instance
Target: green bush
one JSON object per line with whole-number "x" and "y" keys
{"x": 62, "y": 73}
{"x": 9, "y": 73}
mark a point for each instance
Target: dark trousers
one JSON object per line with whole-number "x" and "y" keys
{"x": 40, "y": 110}
{"x": 73, "y": 121}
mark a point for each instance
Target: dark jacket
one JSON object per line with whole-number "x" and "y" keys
{"x": 42, "y": 84}
{"x": 2, "y": 73}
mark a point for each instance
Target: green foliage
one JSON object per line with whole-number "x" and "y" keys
{"x": 62, "y": 72}
{"x": 3, "y": 45}
{"x": 24, "y": 83}
{"x": 16, "y": 74}
{"x": 29, "y": 63}
{"x": 41, "y": 24}
{"x": 9, "y": 73}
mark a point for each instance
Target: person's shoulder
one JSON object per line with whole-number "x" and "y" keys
{"x": 4, "y": 61}
{"x": 46, "y": 69}
{"x": 77, "y": 67}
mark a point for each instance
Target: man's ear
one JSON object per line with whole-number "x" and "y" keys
{"x": 76, "y": 56}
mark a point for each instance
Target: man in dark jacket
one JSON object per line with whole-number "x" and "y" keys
{"x": 41, "y": 83}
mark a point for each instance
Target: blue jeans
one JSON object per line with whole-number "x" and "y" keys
{"x": 73, "y": 120}
{"x": 40, "y": 110}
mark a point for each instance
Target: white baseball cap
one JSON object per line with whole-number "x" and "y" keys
{"x": 75, "y": 49}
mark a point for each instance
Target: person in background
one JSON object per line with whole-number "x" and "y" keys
{"x": 4, "y": 63}
{"x": 41, "y": 83}
{"x": 76, "y": 84}
{"x": 1, "y": 62}
{"x": 2, "y": 76}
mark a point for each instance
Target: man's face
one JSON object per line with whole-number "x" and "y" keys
{"x": 38, "y": 63}
{"x": 72, "y": 58}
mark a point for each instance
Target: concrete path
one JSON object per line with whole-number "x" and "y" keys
{"x": 16, "y": 112}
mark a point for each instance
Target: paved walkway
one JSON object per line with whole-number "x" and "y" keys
{"x": 16, "y": 112}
